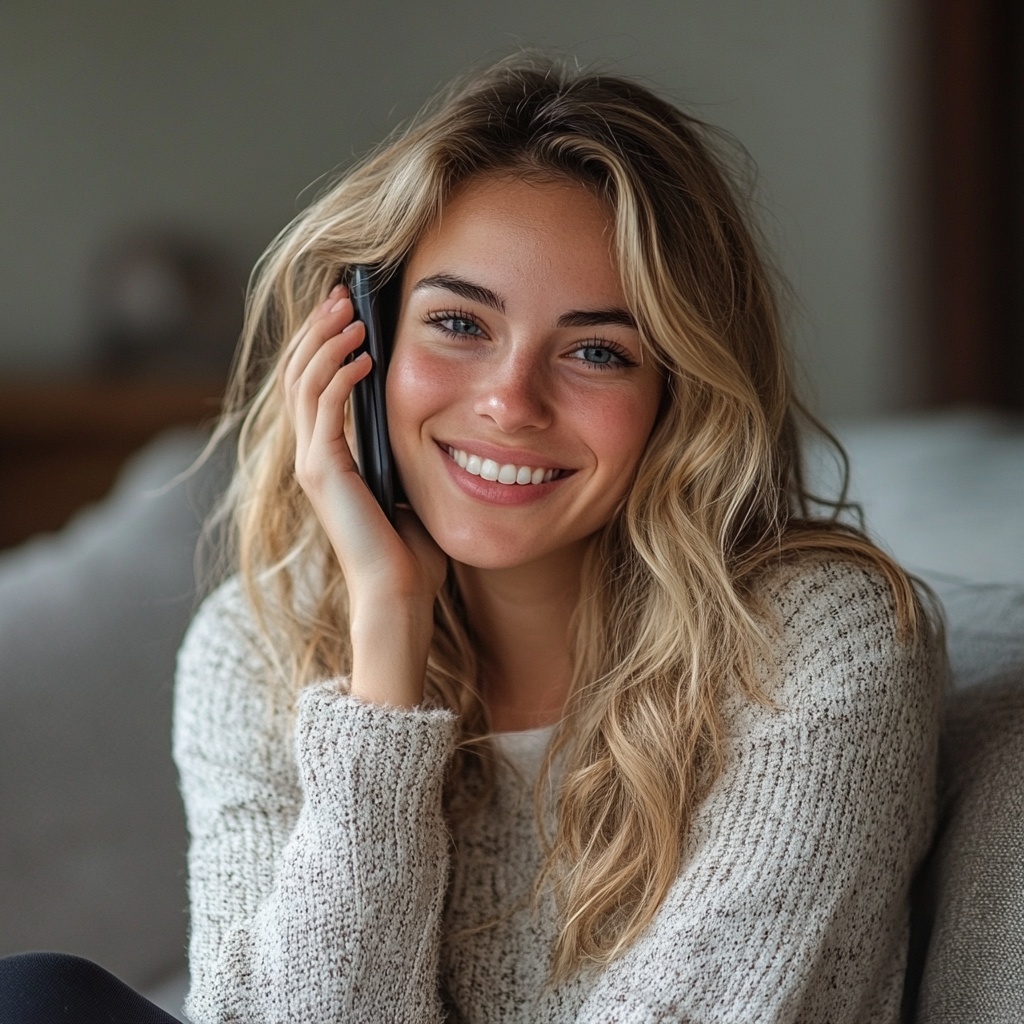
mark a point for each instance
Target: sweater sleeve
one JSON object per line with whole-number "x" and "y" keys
{"x": 792, "y": 904}
{"x": 319, "y": 854}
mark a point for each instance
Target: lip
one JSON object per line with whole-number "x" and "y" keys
{"x": 491, "y": 492}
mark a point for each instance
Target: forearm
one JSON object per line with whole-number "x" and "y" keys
{"x": 349, "y": 926}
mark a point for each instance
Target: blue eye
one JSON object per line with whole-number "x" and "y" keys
{"x": 461, "y": 325}
{"x": 601, "y": 357}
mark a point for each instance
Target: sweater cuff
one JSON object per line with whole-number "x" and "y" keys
{"x": 347, "y": 745}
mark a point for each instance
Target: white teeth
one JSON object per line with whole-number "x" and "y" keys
{"x": 488, "y": 469}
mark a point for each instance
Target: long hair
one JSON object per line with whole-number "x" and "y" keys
{"x": 668, "y": 620}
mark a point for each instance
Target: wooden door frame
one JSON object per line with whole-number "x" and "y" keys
{"x": 977, "y": 200}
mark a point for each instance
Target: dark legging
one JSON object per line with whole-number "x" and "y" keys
{"x": 53, "y": 988}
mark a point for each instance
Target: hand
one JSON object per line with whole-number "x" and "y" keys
{"x": 392, "y": 577}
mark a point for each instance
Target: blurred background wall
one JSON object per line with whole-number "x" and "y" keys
{"x": 218, "y": 119}
{"x": 151, "y": 151}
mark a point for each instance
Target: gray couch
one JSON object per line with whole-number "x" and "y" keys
{"x": 92, "y": 837}
{"x": 92, "y": 840}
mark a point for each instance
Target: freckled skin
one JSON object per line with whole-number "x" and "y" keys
{"x": 518, "y": 380}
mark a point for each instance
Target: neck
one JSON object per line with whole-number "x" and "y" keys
{"x": 521, "y": 617}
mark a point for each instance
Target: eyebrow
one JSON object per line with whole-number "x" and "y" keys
{"x": 598, "y": 318}
{"x": 478, "y": 293}
{"x": 466, "y": 289}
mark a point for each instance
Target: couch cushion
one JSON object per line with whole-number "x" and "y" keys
{"x": 973, "y": 898}
{"x": 984, "y": 630}
{"x": 92, "y": 844}
{"x": 969, "y": 947}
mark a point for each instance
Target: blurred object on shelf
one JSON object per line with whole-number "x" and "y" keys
{"x": 62, "y": 444}
{"x": 165, "y": 303}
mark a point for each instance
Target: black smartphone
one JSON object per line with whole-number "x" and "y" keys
{"x": 375, "y": 297}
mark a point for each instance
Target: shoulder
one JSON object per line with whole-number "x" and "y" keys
{"x": 821, "y": 590}
{"x": 853, "y": 701}
{"x": 837, "y": 640}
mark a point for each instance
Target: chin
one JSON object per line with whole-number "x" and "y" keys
{"x": 487, "y": 548}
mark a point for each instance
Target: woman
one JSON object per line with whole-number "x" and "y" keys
{"x": 611, "y": 728}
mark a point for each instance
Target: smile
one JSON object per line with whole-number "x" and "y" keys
{"x": 488, "y": 469}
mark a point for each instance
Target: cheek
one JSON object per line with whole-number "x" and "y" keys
{"x": 616, "y": 430}
{"x": 418, "y": 387}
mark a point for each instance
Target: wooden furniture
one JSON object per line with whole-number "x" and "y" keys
{"x": 63, "y": 444}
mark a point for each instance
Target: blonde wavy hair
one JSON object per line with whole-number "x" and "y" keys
{"x": 668, "y": 622}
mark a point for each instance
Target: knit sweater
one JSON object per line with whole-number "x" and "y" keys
{"x": 324, "y": 886}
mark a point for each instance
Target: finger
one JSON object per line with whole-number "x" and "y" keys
{"x": 288, "y": 370}
{"x": 324, "y": 362}
{"x": 324, "y": 453}
{"x": 319, "y": 373}
{"x": 329, "y": 428}
{"x": 319, "y": 334}
{"x": 335, "y": 295}
{"x": 330, "y": 322}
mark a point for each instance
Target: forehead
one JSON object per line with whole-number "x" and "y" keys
{"x": 523, "y": 230}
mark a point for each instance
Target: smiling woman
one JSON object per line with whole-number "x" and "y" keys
{"x": 524, "y": 361}
{"x": 608, "y": 589}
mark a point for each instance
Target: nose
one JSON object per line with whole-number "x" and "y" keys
{"x": 514, "y": 394}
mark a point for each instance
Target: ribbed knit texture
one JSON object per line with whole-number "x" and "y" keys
{"x": 324, "y": 888}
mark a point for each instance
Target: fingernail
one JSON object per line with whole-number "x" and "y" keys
{"x": 338, "y": 305}
{"x": 351, "y": 326}
{"x": 336, "y": 290}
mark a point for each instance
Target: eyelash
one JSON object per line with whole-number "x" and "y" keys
{"x": 438, "y": 318}
{"x": 625, "y": 359}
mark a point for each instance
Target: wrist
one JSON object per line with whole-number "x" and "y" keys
{"x": 391, "y": 614}
{"x": 389, "y": 654}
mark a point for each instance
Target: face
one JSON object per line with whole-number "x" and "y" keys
{"x": 519, "y": 399}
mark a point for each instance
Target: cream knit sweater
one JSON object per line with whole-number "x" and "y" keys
{"x": 324, "y": 889}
